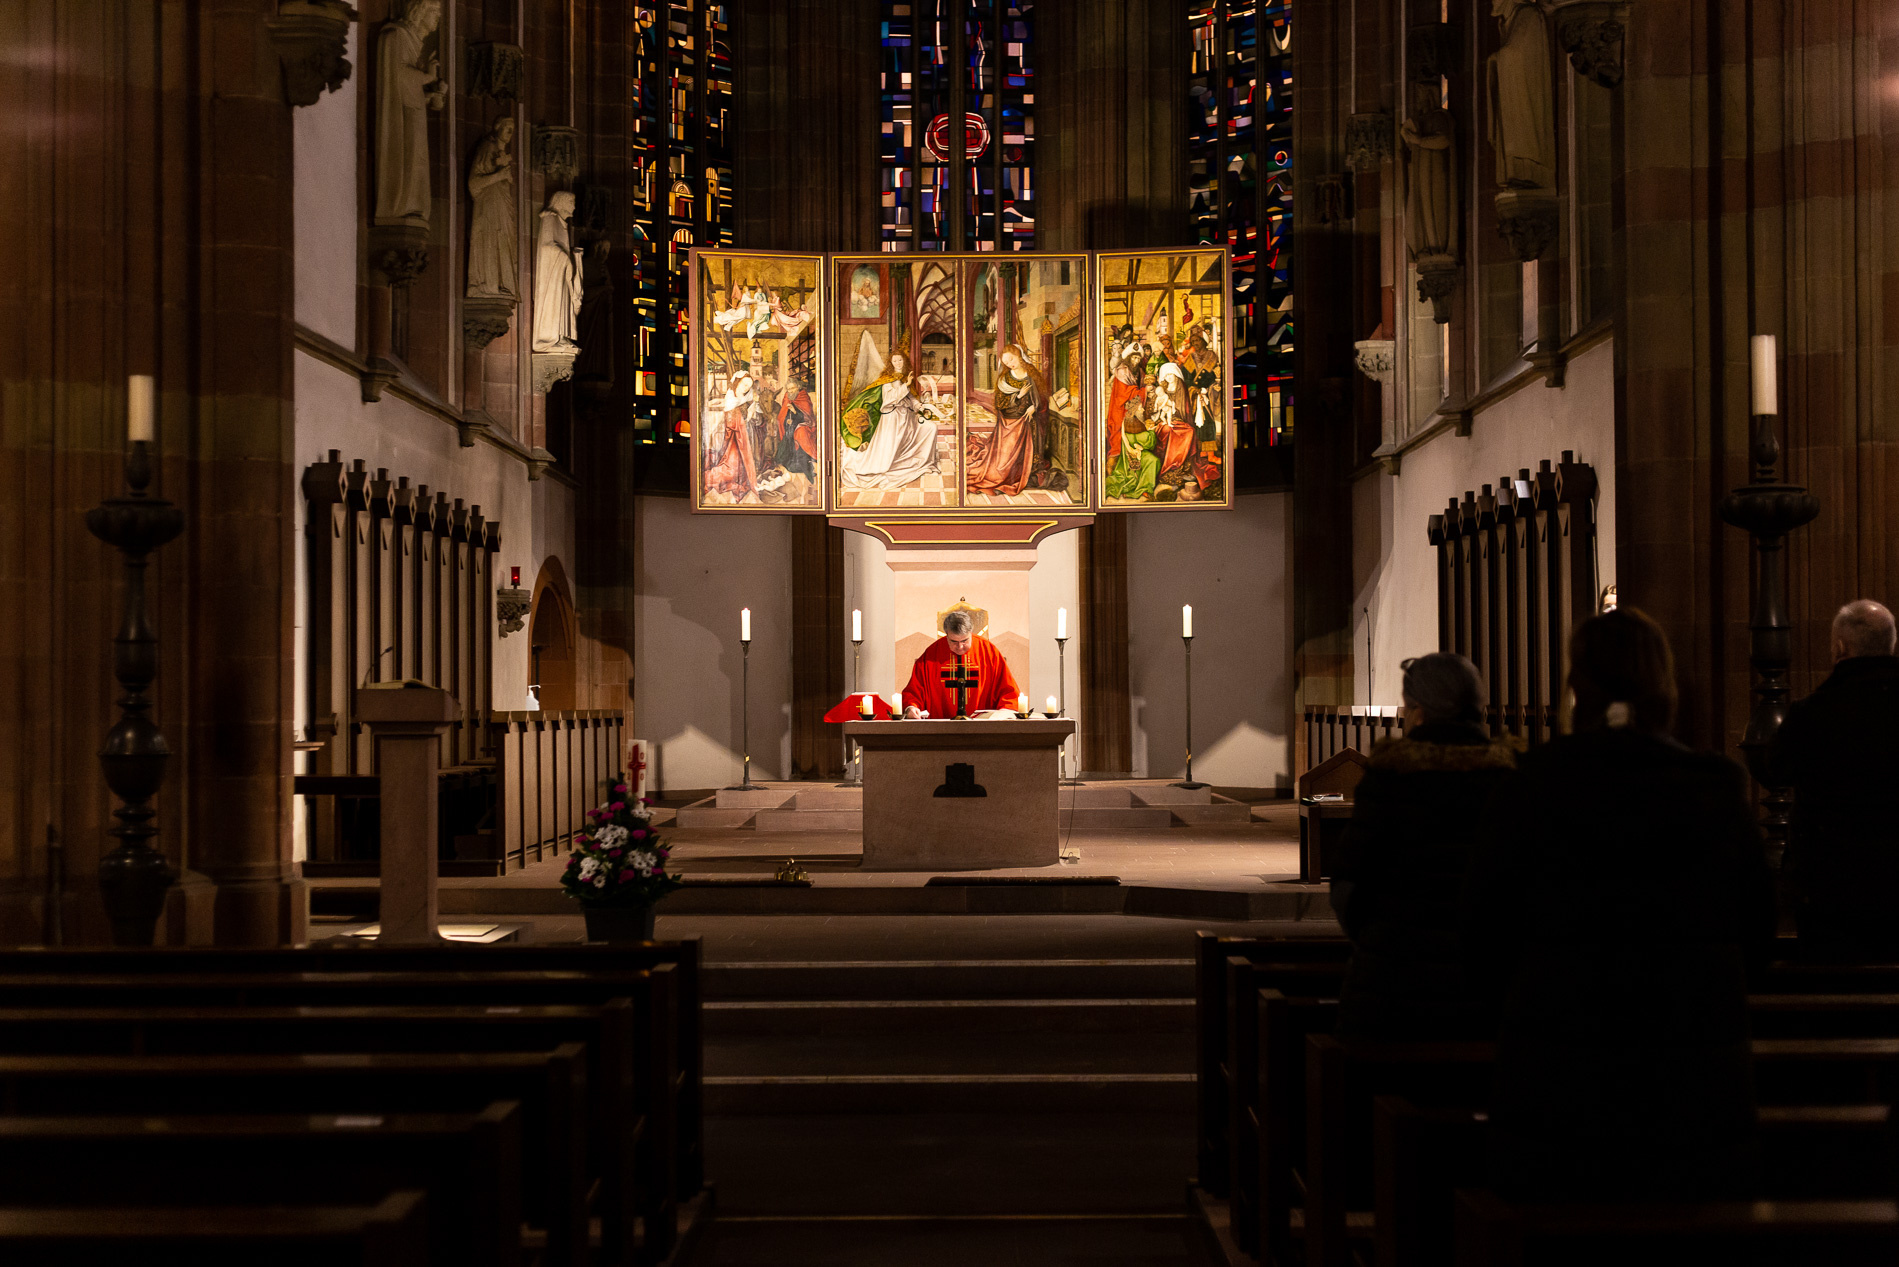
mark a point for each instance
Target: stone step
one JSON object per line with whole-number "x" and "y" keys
{"x": 1168, "y": 794}
{"x": 950, "y": 980}
{"x": 952, "y": 1050}
{"x": 1092, "y": 796}
{"x": 933, "y": 1018}
{"x": 708, "y": 813}
{"x": 1222, "y": 813}
{"x": 763, "y": 798}
{"x": 1133, "y": 818}
{"x": 809, "y": 820}
{"x": 732, "y": 1095}
{"x": 828, "y": 798}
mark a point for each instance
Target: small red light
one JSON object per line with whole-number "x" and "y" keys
{"x": 514, "y": 577}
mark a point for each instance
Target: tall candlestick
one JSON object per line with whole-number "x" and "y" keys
{"x": 745, "y": 624}
{"x": 1186, "y": 640}
{"x": 138, "y": 409}
{"x": 1186, "y": 622}
{"x": 1766, "y": 375}
{"x": 857, "y": 626}
{"x": 1061, "y": 622}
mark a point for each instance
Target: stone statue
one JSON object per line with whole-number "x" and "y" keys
{"x": 491, "y": 237}
{"x": 1522, "y": 119}
{"x": 408, "y": 86}
{"x": 1431, "y": 211}
{"x": 557, "y": 280}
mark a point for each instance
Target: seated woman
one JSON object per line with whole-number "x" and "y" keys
{"x": 1618, "y": 902}
{"x": 1414, "y": 819}
{"x": 1131, "y": 471}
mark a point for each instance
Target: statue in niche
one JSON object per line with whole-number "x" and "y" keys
{"x": 1431, "y": 212}
{"x": 491, "y": 235}
{"x": 408, "y": 86}
{"x": 1522, "y": 119}
{"x": 557, "y": 279}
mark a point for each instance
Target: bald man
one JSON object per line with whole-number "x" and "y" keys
{"x": 1839, "y": 750}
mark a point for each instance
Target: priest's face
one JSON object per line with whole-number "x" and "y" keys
{"x": 959, "y": 642}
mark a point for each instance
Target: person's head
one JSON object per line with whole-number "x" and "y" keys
{"x": 422, "y": 15}
{"x": 1621, "y": 673}
{"x": 1862, "y": 627}
{"x": 504, "y": 131}
{"x": 1012, "y": 358}
{"x": 563, "y": 202}
{"x": 1443, "y": 687}
{"x": 960, "y": 629}
{"x": 899, "y": 364}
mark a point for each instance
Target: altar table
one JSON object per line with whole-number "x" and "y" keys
{"x": 961, "y": 795}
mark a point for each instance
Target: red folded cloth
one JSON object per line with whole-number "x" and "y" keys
{"x": 849, "y": 709}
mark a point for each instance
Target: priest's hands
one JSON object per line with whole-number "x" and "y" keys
{"x": 913, "y": 713}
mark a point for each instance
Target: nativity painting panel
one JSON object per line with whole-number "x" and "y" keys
{"x": 895, "y": 383}
{"x": 1022, "y": 381}
{"x": 1166, "y": 437}
{"x": 759, "y": 443}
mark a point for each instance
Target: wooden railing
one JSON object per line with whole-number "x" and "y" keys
{"x": 550, "y": 768}
{"x": 1330, "y": 729}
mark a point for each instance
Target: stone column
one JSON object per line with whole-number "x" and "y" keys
{"x": 407, "y": 725}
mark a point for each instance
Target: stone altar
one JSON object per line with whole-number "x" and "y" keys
{"x": 961, "y": 795}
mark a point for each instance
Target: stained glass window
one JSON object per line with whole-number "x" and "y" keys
{"x": 1240, "y": 186}
{"x": 945, "y": 185}
{"x": 682, "y": 163}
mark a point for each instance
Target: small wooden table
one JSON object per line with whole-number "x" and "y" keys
{"x": 961, "y": 795}
{"x": 1321, "y": 836}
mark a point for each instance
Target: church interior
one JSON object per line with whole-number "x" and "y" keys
{"x": 543, "y": 733}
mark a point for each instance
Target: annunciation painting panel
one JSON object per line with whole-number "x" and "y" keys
{"x": 1023, "y": 381}
{"x": 901, "y": 336}
{"x": 758, "y": 442}
{"x": 1166, "y": 438}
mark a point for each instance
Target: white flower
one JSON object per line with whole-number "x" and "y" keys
{"x": 642, "y": 862}
{"x": 588, "y": 865}
{"x": 610, "y": 836}
{"x": 600, "y": 881}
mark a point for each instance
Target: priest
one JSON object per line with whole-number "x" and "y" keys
{"x": 959, "y": 656}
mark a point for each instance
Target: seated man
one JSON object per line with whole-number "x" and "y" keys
{"x": 928, "y": 696}
{"x": 1838, "y": 750}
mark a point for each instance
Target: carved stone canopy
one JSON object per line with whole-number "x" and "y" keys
{"x": 1437, "y": 282}
{"x": 399, "y": 253}
{"x": 1528, "y": 220}
{"x": 311, "y": 38}
{"x": 496, "y": 70}
{"x": 485, "y": 319}
{"x": 557, "y": 152}
{"x": 1431, "y": 51}
{"x": 1368, "y": 141}
{"x": 511, "y": 608}
{"x": 1594, "y": 34}
{"x": 1376, "y": 358}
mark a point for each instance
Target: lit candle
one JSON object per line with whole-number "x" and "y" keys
{"x": 1022, "y": 702}
{"x": 1051, "y": 705}
{"x": 138, "y": 409}
{"x": 1186, "y": 622}
{"x": 1061, "y": 622}
{"x": 745, "y": 624}
{"x": 896, "y": 703}
{"x": 514, "y": 577}
{"x": 863, "y": 705}
{"x": 1766, "y": 377}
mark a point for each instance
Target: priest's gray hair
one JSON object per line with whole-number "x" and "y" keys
{"x": 1864, "y": 627}
{"x": 958, "y": 622}
{"x": 1444, "y": 687}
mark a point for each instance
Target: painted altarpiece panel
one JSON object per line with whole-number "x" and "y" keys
{"x": 1166, "y": 433}
{"x": 1025, "y": 382}
{"x": 757, "y": 375}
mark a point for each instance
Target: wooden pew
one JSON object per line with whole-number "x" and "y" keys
{"x": 1492, "y": 1232}
{"x": 689, "y": 1053}
{"x": 468, "y": 1164}
{"x": 607, "y": 1033}
{"x": 391, "y": 1233}
{"x": 550, "y": 1087}
{"x": 1284, "y": 1025}
{"x": 1422, "y": 1156}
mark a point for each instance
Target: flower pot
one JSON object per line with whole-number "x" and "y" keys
{"x": 619, "y": 923}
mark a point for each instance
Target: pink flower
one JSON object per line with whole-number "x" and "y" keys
{"x": 617, "y": 806}
{"x": 620, "y": 788}
{"x": 625, "y": 876}
{"x": 613, "y": 853}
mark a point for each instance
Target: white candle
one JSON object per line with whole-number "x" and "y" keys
{"x": 896, "y": 703}
{"x": 1186, "y": 622}
{"x": 1061, "y": 622}
{"x": 1022, "y": 702}
{"x": 1051, "y": 704}
{"x": 863, "y": 705}
{"x": 1766, "y": 375}
{"x": 745, "y": 624}
{"x": 857, "y": 625}
{"x": 138, "y": 408}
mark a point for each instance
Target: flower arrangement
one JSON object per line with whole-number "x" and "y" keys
{"x": 618, "y": 858}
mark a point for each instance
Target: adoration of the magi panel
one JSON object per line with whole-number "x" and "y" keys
{"x": 756, "y": 381}
{"x": 1166, "y": 439}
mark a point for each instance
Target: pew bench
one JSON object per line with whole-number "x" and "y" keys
{"x": 391, "y": 1233}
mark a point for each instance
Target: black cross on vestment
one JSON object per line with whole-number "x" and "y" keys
{"x": 961, "y": 679}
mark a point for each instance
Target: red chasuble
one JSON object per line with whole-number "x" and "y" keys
{"x": 995, "y": 685}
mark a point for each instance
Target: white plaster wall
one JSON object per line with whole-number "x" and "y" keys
{"x": 1233, "y": 568}
{"x": 1394, "y": 563}
{"x": 693, "y": 574}
{"x": 324, "y": 140}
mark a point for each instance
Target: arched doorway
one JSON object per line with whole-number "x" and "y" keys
{"x": 551, "y": 641}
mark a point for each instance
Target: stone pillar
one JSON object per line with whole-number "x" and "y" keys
{"x": 157, "y": 239}
{"x": 407, "y": 725}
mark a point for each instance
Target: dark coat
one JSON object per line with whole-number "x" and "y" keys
{"x": 1414, "y": 824}
{"x": 1619, "y": 904}
{"x": 1839, "y": 751}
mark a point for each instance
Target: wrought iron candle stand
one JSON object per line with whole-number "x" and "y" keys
{"x": 1061, "y": 700}
{"x": 745, "y": 784}
{"x": 1186, "y": 640}
{"x": 1768, "y": 510}
{"x": 855, "y": 757}
{"x": 133, "y": 877}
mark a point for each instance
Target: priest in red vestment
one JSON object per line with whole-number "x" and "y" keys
{"x": 926, "y": 696}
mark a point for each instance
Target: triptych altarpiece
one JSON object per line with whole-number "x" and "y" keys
{"x": 946, "y": 385}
